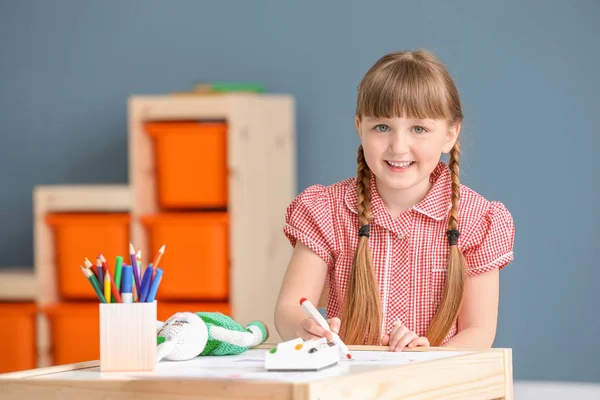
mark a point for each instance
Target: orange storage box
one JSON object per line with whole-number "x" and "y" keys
{"x": 196, "y": 259}
{"x": 81, "y": 235}
{"x": 191, "y": 163}
{"x": 18, "y": 336}
{"x": 75, "y": 331}
{"x": 165, "y": 309}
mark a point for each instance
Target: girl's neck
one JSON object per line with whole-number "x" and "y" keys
{"x": 398, "y": 201}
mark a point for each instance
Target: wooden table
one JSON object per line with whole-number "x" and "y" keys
{"x": 374, "y": 373}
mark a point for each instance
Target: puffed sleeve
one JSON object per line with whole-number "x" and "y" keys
{"x": 491, "y": 243}
{"x": 309, "y": 219}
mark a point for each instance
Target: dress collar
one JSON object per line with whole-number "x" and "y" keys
{"x": 435, "y": 204}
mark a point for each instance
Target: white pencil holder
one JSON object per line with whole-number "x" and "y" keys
{"x": 127, "y": 336}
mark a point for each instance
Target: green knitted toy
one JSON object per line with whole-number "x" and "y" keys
{"x": 187, "y": 335}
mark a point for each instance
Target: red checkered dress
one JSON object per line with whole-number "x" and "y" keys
{"x": 410, "y": 253}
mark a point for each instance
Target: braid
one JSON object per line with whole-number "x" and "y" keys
{"x": 363, "y": 188}
{"x": 449, "y": 307}
{"x": 453, "y": 164}
{"x": 361, "y": 316}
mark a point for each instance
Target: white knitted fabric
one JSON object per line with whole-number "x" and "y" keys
{"x": 257, "y": 335}
{"x": 185, "y": 336}
{"x": 242, "y": 339}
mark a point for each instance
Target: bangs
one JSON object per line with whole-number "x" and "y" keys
{"x": 403, "y": 90}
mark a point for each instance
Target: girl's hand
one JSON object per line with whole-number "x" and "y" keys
{"x": 309, "y": 329}
{"x": 401, "y": 337}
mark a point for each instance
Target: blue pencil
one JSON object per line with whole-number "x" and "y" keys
{"x": 146, "y": 282}
{"x": 127, "y": 284}
{"x": 154, "y": 287}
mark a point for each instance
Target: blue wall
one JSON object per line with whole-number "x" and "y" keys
{"x": 527, "y": 72}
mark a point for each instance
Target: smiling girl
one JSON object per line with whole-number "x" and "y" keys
{"x": 411, "y": 257}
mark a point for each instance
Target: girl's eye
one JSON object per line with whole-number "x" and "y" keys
{"x": 382, "y": 128}
{"x": 419, "y": 129}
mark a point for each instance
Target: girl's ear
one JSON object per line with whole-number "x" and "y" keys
{"x": 451, "y": 137}
{"x": 357, "y": 123}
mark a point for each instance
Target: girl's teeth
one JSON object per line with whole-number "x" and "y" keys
{"x": 400, "y": 164}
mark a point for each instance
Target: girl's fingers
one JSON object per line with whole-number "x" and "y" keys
{"x": 404, "y": 340}
{"x": 385, "y": 340}
{"x": 396, "y": 335}
{"x": 334, "y": 324}
{"x": 401, "y": 337}
{"x": 419, "y": 342}
{"x": 311, "y": 327}
{"x": 397, "y": 325}
{"x": 308, "y": 336}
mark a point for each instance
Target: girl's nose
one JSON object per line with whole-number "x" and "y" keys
{"x": 399, "y": 143}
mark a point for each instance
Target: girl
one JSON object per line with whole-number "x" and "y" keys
{"x": 410, "y": 255}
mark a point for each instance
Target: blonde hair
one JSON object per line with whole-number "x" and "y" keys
{"x": 413, "y": 85}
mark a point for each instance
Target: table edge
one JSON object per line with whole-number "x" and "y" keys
{"x": 96, "y": 363}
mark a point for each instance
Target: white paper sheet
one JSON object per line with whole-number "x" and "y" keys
{"x": 250, "y": 366}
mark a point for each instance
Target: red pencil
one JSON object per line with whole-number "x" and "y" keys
{"x": 113, "y": 287}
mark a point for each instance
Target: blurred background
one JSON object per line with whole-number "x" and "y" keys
{"x": 526, "y": 72}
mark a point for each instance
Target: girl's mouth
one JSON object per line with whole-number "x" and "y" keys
{"x": 399, "y": 166}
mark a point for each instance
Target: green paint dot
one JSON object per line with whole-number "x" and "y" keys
{"x": 273, "y": 350}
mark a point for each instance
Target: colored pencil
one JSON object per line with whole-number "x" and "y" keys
{"x": 159, "y": 255}
{"x": 90, "y": 268}
{"x": 88, "y": 264}
{"x": 107, "y": 285}
{"x": 154, "y": 288}
{"x": 118, "y": 268}
{"x": 103, "y": 261}
{"x": 135, "y": 267}
{"x": 134, "y": 291}
{"x": 140, "y": 272}
{"x": 94, "y": 281}
{"x": 127, "y": 284}
{"x": 100, "y": 272}
{"x": 146, "y": 282}
{"x": 114, "y": 291}
{"x": 138, "y": 260}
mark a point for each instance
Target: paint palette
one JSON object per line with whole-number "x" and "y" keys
{"x": 300, "y": 355}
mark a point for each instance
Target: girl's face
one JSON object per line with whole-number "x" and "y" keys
{"x": 403, "y": 152}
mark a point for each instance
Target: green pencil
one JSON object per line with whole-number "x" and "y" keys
{"x": 95, "y": 284}
{"x": 118, "y": 267}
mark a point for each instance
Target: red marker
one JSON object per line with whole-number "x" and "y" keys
{"x": 316, "y": 315}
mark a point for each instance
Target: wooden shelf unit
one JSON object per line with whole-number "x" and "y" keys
{"x": 261, "y": 182}
{"x": 18, "y": 284}
{"x": 63, "y": 198}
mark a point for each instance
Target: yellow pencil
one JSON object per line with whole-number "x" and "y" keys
{"x": 107, "y": 286}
